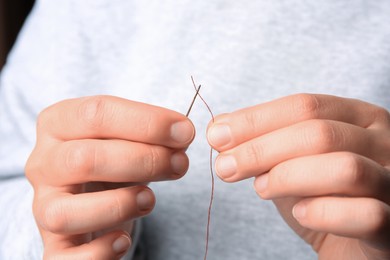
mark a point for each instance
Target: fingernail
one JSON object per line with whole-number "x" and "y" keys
{"x": 226, "y": 166}
{"x": 261, "y": 183}
{"x": 219, "y": 135}
{"x": 299, "y": 211}
{"x": 179, "y": 163}
{"x": 182, "y": 132}
{"x": 145, "y": 200}
{"x": 121, "y": 244}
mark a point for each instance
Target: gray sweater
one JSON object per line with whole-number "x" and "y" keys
{"x": 242, "y": 52}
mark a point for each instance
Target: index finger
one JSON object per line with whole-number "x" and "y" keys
{"x": 232, "y": 129}
{"x": 108, "y": 117}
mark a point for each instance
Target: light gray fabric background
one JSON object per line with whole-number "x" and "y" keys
{"x": 242, "y": 52}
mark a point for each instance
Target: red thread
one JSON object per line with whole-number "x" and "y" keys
{"x": 211, "y": 168}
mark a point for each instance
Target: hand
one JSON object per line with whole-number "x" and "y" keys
{"x": 91, "y": 157}
{"x": 323, "y": 160}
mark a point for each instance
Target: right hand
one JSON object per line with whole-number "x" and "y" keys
{"x": 92, "y": 158}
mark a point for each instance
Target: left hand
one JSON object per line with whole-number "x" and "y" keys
{"x": 323, "y": 160}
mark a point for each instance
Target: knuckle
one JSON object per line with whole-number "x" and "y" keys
{"x": 149, "y": 163}
{"x": 78, "y": 160}
{"x": 320, "y": 135}
{"x": 281, "y": 179}
{"x": 147, "y": 125}
{"x": 352, "y": 170}
{"x": 36, "y": 165}
{"x": 32, "y": 167}
{"x": 254, "y": 153}
{"x": 43, "y": 119}
{"x": 306, "y": 105}
{"x": 378, "y": 216}
{"x": 93, "y": 112}
{"x": 120, "y": 207}
{"x": 252, "y": 120}
{"x": 322, "y": 213}
{"x": 52, "y": 217}
{"x": 116, "y": 209}
{"x": 382, "y": 115}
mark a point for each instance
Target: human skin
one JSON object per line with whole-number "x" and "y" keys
{"x": 89, "y": 167}
{"x": 324, "y": 162}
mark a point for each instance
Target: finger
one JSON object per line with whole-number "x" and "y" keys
{"x": 89, "y": 212}
{"x": 339, "y": 173}
{"x": 232, "y": 129}
{"x": 112, "y": 245}
{"x": 108, "y": 117}
{"x": 362, "y": 218}
{"x": 306, "y": 138}
{"x": 82, "y": 161}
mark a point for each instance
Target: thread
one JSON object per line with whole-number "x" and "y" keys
{"x": 211, "y": 167}
{"x": 193, "y": 100}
